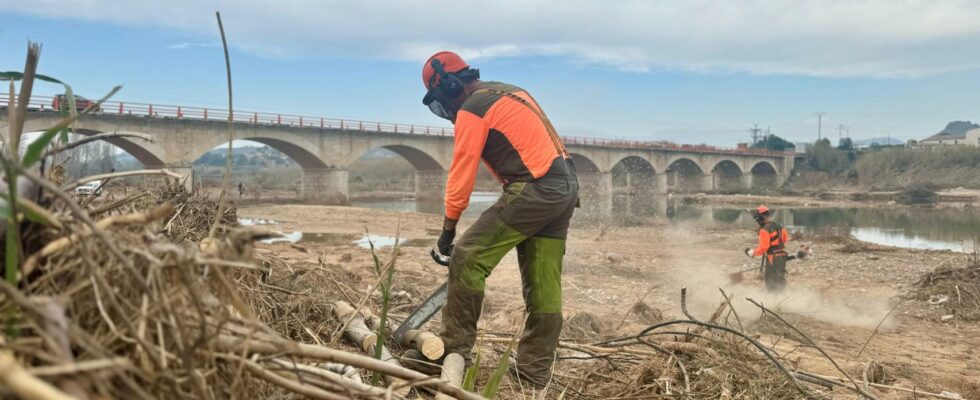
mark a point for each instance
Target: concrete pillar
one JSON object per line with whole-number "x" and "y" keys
{"x": 747, "y": 181}
{"x": 660, "y": 206}
{"x": 660, "y": 187}
{"x": 325, "y": 186}
{"x": 708, "y": 215}
{"x": 430, "y": 185}
{"x": 787, "y": 217}
{"x": 186, "y": 172}
{"x": 596, "y": 192}
{"x": 781, "y": 179}
{"x": 708, "y": 183}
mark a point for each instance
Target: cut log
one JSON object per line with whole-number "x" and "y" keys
{"x": 358, "y": 332}
{"x": 428, "y": 343}
{"x": 452, "y": 372}
{"x": 373, "y": 321}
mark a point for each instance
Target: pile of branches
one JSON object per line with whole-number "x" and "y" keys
{"x": 956, "y": 290}
{"x": 140, "y": 297}
{"x": 117, "y": 309}
{"x": 193, "y": 214}
{"x": 692, "y": 358}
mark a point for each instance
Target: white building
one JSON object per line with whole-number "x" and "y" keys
{"x": 970, "y": 138}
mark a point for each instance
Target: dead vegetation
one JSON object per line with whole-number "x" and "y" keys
{"x": 129, "y": 298}
{"x": 172, "y": 321}
{"x": 954, "y": 290}
{"x": 143, "y": 297}
{"x": 192, "y": 215}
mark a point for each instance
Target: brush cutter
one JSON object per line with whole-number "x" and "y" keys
{"x": 803, "y": 253}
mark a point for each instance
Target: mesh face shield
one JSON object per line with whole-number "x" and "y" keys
{"x": 438, "y": 101}
{"x": 441, "y": 111}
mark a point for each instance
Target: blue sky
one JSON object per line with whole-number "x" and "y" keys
{"x": 700, "y": 71}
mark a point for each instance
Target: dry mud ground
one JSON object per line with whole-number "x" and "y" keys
{"x": 837, "y": 298}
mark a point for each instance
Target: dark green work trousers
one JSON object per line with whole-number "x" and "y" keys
{"x": 774, "y": 270}
{"x": 534, "y": 218}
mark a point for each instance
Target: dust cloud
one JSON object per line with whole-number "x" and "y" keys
{"x": 703, "y": 273}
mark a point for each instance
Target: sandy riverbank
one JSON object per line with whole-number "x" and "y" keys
{"x": 838, "y": 297}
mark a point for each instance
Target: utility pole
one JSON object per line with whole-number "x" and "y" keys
{"x": 754, "y": 132}
{"x": 820, "y": 124}
{"x": 840, "y": 133}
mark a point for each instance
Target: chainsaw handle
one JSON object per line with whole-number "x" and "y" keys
{"x": 439, "y": 258}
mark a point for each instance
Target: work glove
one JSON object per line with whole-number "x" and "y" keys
{"x": 748, "y": 252}
{"x": 445, "y": 243}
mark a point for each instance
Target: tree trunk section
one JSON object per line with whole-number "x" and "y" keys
{"x": 427, "y": 343}
{"x": 452, "y": 372}
{"x": 358, "y": 332}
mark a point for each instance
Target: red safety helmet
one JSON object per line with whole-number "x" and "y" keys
{"x": 450, "y": 62}
{"x": 760, "y": 214}
{"x": 444, "y": 75}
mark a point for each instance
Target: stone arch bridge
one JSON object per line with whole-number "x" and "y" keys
{"x": 325, "y": 147}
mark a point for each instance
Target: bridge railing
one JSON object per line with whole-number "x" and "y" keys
{"x": 45, "y": 103}
{"x": 669, "y": 146}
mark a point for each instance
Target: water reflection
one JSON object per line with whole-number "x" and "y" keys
{"x": 918, "y": 228}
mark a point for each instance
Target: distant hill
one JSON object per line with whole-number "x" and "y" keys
{"x": 258, "y": 156}
{"x": 958, "y": 128}
{"x": 879, "y": 141}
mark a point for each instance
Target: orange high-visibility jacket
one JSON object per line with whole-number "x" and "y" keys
{"x": 773, "y": 236}
{"x": 510, "y": 139}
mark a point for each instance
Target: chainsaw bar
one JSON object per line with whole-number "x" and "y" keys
{"x": 429, "y": 307}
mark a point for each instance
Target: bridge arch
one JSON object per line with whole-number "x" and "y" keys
{"x": 685, "y": 175}
{"x": 726, "y": 176}
{"x": 583, "y": 164}
{"x": 419, "y": 159}
{"x": 424, "y": 173}
{"x": 764, "y": 176}
{"x": 634, "y": 174}
{"x": 305, "y": 158}
{"x": 141, "y": 150}
{"x": 316, "y": 180}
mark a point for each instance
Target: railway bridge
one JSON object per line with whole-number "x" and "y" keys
{"x": 325, "y": 147}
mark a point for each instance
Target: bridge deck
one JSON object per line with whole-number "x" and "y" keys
{"x": 122, "y": 108}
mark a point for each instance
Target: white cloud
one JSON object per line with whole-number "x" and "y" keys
{"x": 192, "y": 45}
{"x": 876, "y": 38}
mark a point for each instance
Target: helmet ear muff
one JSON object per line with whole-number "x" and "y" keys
{"x": 450, "y": 85}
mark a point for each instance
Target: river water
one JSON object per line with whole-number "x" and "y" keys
{"x": 908, "y": 227}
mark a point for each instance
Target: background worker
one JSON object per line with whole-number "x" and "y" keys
{"x": 503, "y": 126}
{"x": 772, "y": 246}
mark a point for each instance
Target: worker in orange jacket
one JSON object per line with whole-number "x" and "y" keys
{"x": 505, "y": 128}
{"x": 772, "y": 246}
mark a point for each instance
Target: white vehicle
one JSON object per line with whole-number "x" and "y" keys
{"x": 94, "y": 187}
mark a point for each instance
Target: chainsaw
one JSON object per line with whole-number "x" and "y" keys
{"x": 429, "y": 307}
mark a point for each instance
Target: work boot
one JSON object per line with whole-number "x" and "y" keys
{"x": 525, "y": 381}
{"x": 459, "y": 318}
{"x": 536, "y": 351}
{"x": 414, "y": 359}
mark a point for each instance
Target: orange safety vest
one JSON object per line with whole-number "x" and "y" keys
{"x": 772, "y": 239}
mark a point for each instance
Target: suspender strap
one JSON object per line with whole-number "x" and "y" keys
{"x": 776, "y": 236}
{"x": 544, "y": 118}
